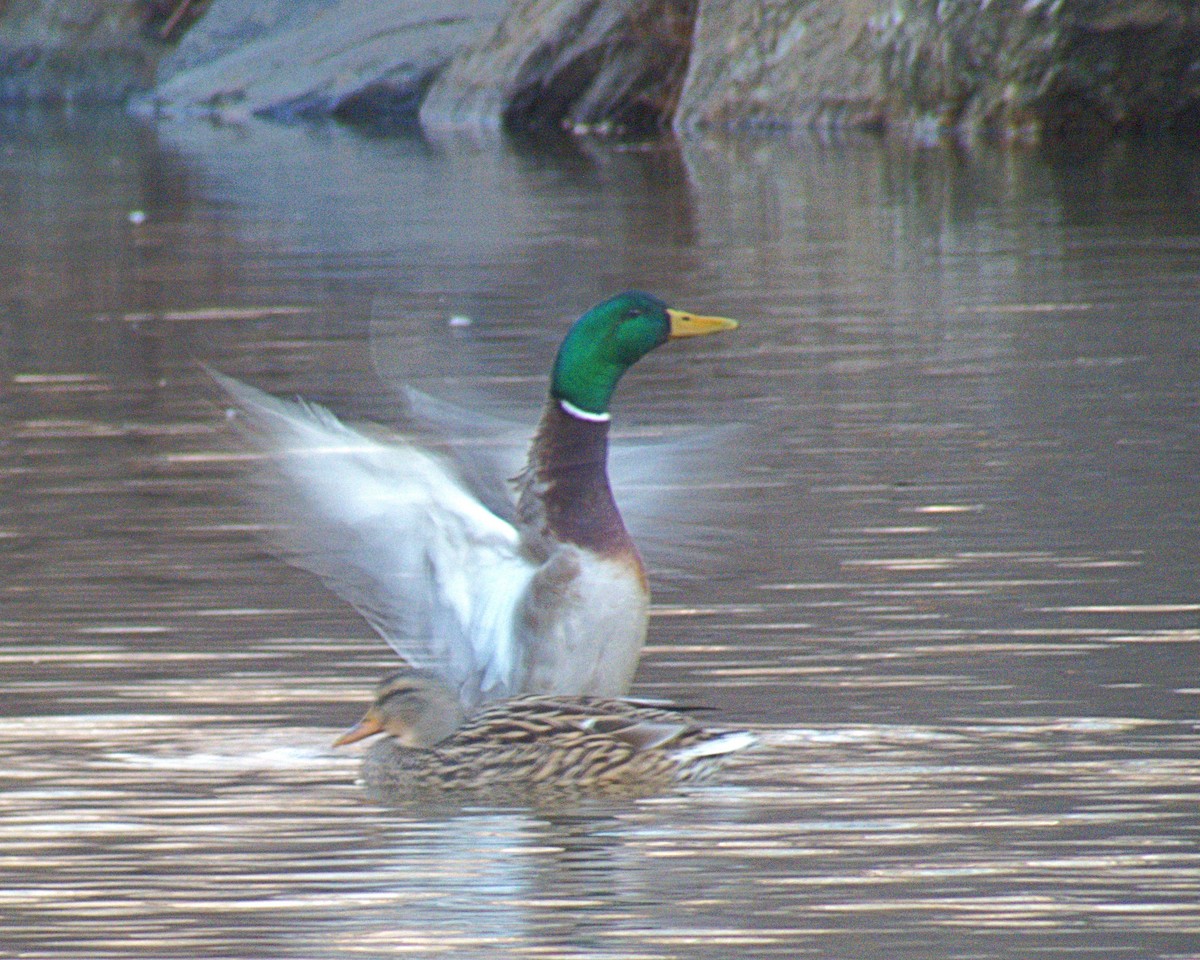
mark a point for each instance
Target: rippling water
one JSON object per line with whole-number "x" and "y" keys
{"x": 956, "y": 593}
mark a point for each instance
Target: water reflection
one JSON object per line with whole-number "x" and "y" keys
{"x": 833, "y": 838}
{"x": 962, "y": 611}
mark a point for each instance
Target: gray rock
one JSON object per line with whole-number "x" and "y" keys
{"x": 1034, "y": 70}
{"x": 74, "y": 51}
{"x": 344, "y": 57}
{"x": 579, "y": 65}
{"x": 805, "y": 63}
{"x": 1025, "y": 70}
{"x": 229, "y": 24}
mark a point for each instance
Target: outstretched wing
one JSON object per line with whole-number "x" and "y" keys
{"x": 392, "y": 529}
{"x": 679, "y": 489}
{"x": 486, "y": 451}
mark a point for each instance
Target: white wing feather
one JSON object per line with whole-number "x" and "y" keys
{"x": 391, "y": 528}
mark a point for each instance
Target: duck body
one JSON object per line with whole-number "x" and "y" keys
{"x": 529, "y": 747}
{"x": 538, "y": 589}
{"x": 583, "y": 616}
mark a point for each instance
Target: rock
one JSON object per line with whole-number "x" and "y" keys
{"x": 75, "y": 51}
{"x": 1014, "y": 70}
{"x": 1034, "y": 70}
{"x": 356, "y": 58}
{"x": 807, "y": 63}
{"x": 230, "y": 24}
{"x": 578, "y": 65}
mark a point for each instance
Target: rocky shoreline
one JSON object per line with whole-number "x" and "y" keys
{"x": 1025, "y": 71}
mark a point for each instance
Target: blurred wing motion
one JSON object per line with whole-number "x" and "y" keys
{"x": 419, "y": 532}
{"x": 677, "y": 487}
{"x": 396, "y": 531}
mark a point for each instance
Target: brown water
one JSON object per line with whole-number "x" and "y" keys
{"x": 959, "y": 599}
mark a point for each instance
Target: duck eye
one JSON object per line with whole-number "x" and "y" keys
{"x": 633, "y": 313}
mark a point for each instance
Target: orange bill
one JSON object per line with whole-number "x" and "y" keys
{"x": 368, "y": 726}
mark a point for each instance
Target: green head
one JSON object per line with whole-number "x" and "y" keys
{"x": 610, "y": 338}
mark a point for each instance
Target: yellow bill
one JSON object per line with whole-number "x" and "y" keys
{"x": 694, "y": 325}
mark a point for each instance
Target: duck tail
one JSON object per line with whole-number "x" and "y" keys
{"x": 717, "y": 746}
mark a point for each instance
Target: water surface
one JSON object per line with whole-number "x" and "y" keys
{"x": 956, "y": 593}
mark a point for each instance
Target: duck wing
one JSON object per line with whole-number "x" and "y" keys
{"x": 486, "y": 451}
{"x": 679, "y": 489}
{"x": 682, "y": 495}
{"x": 395, "y": 531}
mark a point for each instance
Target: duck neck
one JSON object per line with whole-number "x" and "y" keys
{"x": 568, "y": 476}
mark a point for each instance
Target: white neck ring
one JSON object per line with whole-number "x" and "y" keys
{"x": 571, "y": 410}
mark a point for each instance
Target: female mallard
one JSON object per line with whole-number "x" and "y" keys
{"x": 528, "y": 745}
{"x": 541, "y": 592}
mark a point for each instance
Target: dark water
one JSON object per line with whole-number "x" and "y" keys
{"x": 959, "y": 600}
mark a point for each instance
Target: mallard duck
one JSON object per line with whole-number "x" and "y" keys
{"x": 528, "y": 745}
{"x": 537, "y": 590}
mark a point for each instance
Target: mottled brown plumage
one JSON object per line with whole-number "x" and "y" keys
{"x": 529, "y": 747}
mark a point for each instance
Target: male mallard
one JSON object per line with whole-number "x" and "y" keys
{"x": 528, "y": 746}
{"x": 545, "y": 593}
